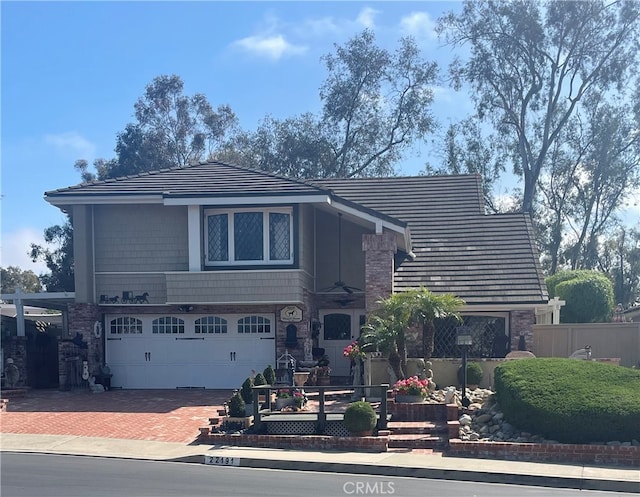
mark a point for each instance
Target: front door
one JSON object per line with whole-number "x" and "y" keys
{"x": 339, "y": 329}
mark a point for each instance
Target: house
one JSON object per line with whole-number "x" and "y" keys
{"x": 195, "y": 276}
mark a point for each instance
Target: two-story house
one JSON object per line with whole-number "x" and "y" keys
{"x": 194, "y": 276}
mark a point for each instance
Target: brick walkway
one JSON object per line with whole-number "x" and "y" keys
{"x": 158, "y": 415}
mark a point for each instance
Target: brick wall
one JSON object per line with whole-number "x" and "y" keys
{"x": 565, "y": 453}
{"x": 300, "y": 442}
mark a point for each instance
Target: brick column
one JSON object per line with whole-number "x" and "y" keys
{"x": 522, "y": 324}
{"x": 379, "y": 267}
{"x": 82, "y": 318}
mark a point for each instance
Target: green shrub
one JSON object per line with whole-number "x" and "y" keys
{"x": 474, "y": 374}
{"x": 259, "y": 380}
{"x": 246, "y": 392}
{"x": 236, "y": 406}
{"x": 571, "y": 401}
{"x": 359, "y": 416}
{"x": 588, "y": 295}
{"x": 269, "y": 375}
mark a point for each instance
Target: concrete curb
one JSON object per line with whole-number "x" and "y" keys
{"x": 437, "y": 474}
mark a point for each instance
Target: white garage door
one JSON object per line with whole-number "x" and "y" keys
{"x": 188, "y": 351}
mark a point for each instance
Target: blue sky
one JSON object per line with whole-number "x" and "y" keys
{"x": 71, "y": 72}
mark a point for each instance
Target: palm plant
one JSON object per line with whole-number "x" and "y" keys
{"x": 385, "y": 328}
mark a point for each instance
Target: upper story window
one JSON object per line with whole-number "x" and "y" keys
{"x": 248, "y": 236}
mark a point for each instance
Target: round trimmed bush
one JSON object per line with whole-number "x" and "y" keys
{"x": 236, "y": 406}
{"x": 359, "y": 416}
{"x": 474, "y": 374}
{"x": 588, "y": 295}
{"x": 571, "y": 401}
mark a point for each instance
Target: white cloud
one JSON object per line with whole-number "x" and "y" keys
{"x": 420, "y": 25}
{"x": 366, "y": 17}
{"x": 15, "y": 249}
{"x": 273, "y": 47}
{"x": 71, "y": 143}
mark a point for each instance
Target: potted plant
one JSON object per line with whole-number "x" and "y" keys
{"x": 299, "y": 399}
{"x": 474, "y": 375}
{"x": 236, "y": 406}
{"x": 411, "y": 390}
{"x": 284, "y": 398}
{"x": 360, "y": 419}
{"x": 323, "y": 371}
{"x": 246, "y": 392}
{"x": 257, "y": 381}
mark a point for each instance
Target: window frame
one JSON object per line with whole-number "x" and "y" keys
{"x": 266, "y": 249}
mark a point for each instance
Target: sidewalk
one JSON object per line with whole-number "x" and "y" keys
{"x": 409, "y": 463}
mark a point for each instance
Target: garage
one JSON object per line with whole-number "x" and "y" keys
{"x": 194, "y": 351}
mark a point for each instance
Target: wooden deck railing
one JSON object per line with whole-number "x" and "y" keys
{"x": 323, "y": 391}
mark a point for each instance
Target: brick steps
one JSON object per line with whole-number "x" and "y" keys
{"x": 418, "y": 441}
{"x": 416, "y": 427}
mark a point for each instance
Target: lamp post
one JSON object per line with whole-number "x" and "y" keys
{"x": 464, "y": 340}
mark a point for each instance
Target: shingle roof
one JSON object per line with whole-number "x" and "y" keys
{"x": 480, "y": 258}
{"x": 213, "y": 179}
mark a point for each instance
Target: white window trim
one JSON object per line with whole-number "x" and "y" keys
{"x": 265, "y": 236}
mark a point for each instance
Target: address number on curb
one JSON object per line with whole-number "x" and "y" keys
{"x": 222, "y": 461}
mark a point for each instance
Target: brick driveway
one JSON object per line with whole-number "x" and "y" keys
{"x": 158, "y": 415}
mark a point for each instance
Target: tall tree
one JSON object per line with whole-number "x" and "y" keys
{"x": 531, "y": 64}
{"x": 58, "y": 256}
{"x": 375, "y": 105}
{"x": 620, "y": 259}
{"x": 171, "y": 129}
{"x": 12, "y": 278}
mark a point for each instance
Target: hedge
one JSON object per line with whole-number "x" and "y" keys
{"x": 571, "y": 401}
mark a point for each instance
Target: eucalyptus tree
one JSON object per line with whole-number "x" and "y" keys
{"x": 375, "y": 105}
{"x": 531, "y": 65}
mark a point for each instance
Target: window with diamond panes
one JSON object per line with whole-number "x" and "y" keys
{"x": 254, "y": 324}
{"x": 168, "y": 325}
{"x": 247, "y": 236}
{"x": 125, "y": 325}
{"x": 279, "y": 236}
{"x": 490, "y": 338}
{"x": 211, "y": 324}
{"x": 218, "y": 233}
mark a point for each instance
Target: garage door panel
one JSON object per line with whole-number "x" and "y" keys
{"x": 213, "y": 359}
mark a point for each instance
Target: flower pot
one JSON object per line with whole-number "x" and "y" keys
{"x": 280, "y": 403}
{"x": 409, "y": 399}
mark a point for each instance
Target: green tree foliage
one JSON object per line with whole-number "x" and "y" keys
{"x": 588, "y": 295}
{"x": 12, "y": 278}
{"x": 532, "y": 65}
{"x": 171, "y": 129}
{"x": 620, "y": 259}
{"x": 596, "y": 166}
{"x": 375, "y": 105}
{"x": 58, "y": 256}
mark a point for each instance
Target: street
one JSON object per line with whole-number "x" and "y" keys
{"x": 30, "y": 475}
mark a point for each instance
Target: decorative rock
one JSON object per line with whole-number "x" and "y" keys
{"x": 465, "y": 419}
{"x": 474, "y": 437}
{"x": 483, "y": 418}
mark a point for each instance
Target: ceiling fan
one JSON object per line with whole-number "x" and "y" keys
{"x": 341, "y": 285}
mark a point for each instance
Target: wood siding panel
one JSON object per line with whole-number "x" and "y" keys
{"x": 140, "y": 238}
